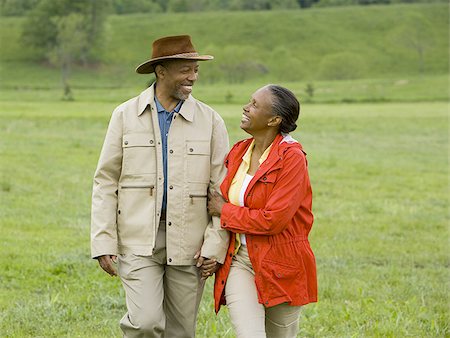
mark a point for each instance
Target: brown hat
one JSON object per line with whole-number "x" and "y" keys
{"x": 171, "y": 47}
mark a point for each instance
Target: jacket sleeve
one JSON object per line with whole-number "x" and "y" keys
{"x": 104, "y": 195}
{"x": 290, "y": 189}
{"x": 216, "y": 239}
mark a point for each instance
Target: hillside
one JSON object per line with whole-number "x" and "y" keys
{"x": 361, "y": 41}
{"x": 344, "y": 43}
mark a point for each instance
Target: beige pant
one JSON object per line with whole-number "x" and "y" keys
{"x": 251, "y": 319}
{"x": 162, "y": 300}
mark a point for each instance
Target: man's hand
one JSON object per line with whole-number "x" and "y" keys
{"x": 107, "y": 263}
{"x": 207, "y": 266}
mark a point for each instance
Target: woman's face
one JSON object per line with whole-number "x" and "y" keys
{"x": 258, "y": 112}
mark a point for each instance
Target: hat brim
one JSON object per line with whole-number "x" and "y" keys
{"x": 147, "y": 67}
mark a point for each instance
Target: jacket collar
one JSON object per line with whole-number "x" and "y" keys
{"x": 147, "y": 97}
{"x": 274, "y": 161}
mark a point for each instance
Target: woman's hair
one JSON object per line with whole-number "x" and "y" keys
{"x": 285, "y": 105}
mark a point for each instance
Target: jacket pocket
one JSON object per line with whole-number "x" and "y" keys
{"x": 136, "y": 214}
{"x": 262, "y": 189}
{"x": 194, "y": 196}
{"x": 198, "y": 155}
{"x": 195, "y": 215}
{"x": 281, "y": 280}
{"x": 139, "y": 154}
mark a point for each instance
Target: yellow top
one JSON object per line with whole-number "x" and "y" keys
{"x": 238, "y": 180}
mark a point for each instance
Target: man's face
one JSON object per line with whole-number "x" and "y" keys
{"x": 178, "y": 77}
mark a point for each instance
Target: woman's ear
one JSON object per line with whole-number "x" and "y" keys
{"x": 274, "y": 121}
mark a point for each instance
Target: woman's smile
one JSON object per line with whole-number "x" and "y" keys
{"x": 244, "y": 118}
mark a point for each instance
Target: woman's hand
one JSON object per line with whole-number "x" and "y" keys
{"x": 215, "y": 203}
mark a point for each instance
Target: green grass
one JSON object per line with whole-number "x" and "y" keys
{"x": 42, "y": 84}
{"x": 377, "y": 148}
{"x": 380, "y": 180}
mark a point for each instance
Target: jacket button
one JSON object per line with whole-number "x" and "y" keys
{"x": 223, "y": 282}
{"x": 171, "y": 187}
{"x": 191, "y": 150}
{"x": 265, "y": 178}
{"x": 170, "y": 259}
{"x": 171, "y": 151}
{"x": 126, "y": 142}
{"x": 267, "y": 303}
{"x": 169, "y": 223}
{"x": 118, "y": 211}
{"x": 151, "y": 141}
{"x": 231, "y": 255}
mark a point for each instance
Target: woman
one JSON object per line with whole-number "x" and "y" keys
{"x": 270, "y": 270}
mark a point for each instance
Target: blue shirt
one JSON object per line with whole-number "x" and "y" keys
{"x": 165, "y": 119}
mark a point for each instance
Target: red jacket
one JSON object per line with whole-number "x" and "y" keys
{"x": 276, "y": 220}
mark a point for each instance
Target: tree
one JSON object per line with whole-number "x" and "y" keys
{"x": 286, "y": 64}
{"x": 284, "y": 4}
{"x": 249, "y": 5}
{"x": 137, "y": 6}
{"x": 374, "y": 2}
{"x": 40, "y": 28}
{"x": 306, "y": 3}
{"x": 66, "y": 32}
{"x": 16, "y": 7}
{"x": 239, "y": 65}
{"x": 71, "y": 41}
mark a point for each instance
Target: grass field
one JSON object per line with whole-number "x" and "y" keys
{"x": 377, "y": 145}
{"x": 380, "y": 180}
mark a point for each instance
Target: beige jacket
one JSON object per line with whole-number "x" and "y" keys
{"x": 129, "y": 182}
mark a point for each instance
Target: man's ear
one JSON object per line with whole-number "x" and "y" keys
{"x": 275, "y": 121}
{"x": 160, "y": 71}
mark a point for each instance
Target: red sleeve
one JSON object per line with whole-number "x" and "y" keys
{"x": 291, "y": 188}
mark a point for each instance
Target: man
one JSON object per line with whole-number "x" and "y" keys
{"x": 162, "y": 152}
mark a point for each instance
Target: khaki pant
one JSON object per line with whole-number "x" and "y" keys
{"x": 162, "y": 300}
{"x": 249, "y": 318}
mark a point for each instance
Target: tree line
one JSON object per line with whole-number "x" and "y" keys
{"x": 23, "y": 7}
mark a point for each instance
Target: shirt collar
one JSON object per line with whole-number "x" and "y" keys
{"x": 160, "y": 108}
{"x": 147, "y": 98}
{"x": 248, "y": 154}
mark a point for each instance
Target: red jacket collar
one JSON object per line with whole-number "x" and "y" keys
{"x": 273, "y": 161}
